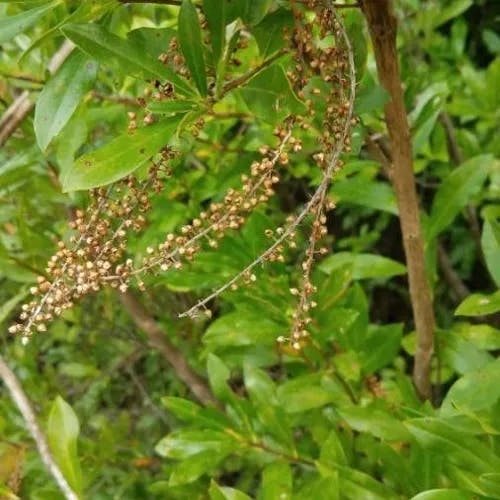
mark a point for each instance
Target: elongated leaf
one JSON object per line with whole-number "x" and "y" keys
{"x": 217, "y": 492}
{"x": 456, "y": 191}
{"x": 276, "y": 482}
{"x": 171, "y": 107}
{"x": 120, "y": 157}
{"x": 122, "y": 55}
{"x": 191, "y": 44}
{"x": 479, "y": 304}
{"x": 215, "y": 12}
{"x": 363, "y": 265}
{"x": 10, "y": 26}
{"x": 187, "y": 443}
{"x": 62, "y": 433}
{"x": 490, "y": 242}
{"x": 434, "y": 434}
{"x": 475, "y": 391}
{"x": 61, "y": 95}
{"x": 87, "y": 11}
{"x": 7, "y": 307}
{"x": 443, "y": 494}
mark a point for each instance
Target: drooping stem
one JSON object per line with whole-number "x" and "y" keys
{"x": 383, "y": 27}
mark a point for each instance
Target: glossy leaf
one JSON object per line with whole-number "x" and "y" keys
{"x": 269, "y": 32}
{"x": 490, "y": 243}
{"x": 443, "y": 494}
{"x": 191, "y": 44}
{"x": 62, "y": 433}
{"x": 434, "y": 434}
{"x": 215, "y": 12}
{"x": 276, "y": 482}
{"x": 474, "y": 391}
{"x": 120, "y": 157}
{"x": 10, "y": 26}
{"x": 123, "y": 55}
{"x": 456, "y": 191}
{"x": 61, "y": 96}
{"x": 479, "y": 304}
{"x": 240, "y": 329}
{"x": 217, "y": 492}
{"x": 363, "y": 265}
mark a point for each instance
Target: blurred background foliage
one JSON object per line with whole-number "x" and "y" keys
{"x": 342, "y": 420}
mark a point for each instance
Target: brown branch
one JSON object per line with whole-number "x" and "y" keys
{"x": 25, "y": 408}
{"x": 22, "y": 105}
{"x": 175, "y": 358}
{"x": 450, "y": 275}
{"x": 381, "y": 152}
{"x": 383, "y": 27}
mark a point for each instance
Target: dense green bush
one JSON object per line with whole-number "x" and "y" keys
{"x": 337, "y": 416}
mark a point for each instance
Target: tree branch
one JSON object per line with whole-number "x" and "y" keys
{"x": 19, "y": 396}
{"x": 22, "y": 105}
{"x": 175, "y": 358}
{"x": 383, "y": 26}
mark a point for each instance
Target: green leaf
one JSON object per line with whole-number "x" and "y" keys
{"x": 242, "y": 329}
{"x": 172, "y": 107}
{"x": 256, "y": 10}
{"x": 263, "y": 396}
{"x": 191, "y": 44}
{"x": 61, "y": 96}
{"x": 276, "y": 482}
{"x": 471, "y": 453}
{"x": 119, "y": 157}
{"x": 217, "y": 492}
{"x": 375, "y": 421}
{"x": 195, "y": 414}
{"x": 475, "y": 391}
{"x": 215, "y": 12}
{"x": 492, "y": 41}
{"x": 453, "y": 9}
{"x": 304, "y": 393}
{"x": 270, "y": 96}
{"x": 479, "y": 304}
{"x": 456, "y": 191}
{"x": 187, "y": 443}
{"x": 367, "y": 193}
{"x": 193, "y": 467}
{"x": 355, "y": 27}
{"x": 8, "y": 306}
{"x": 381, "y": 346}
{"x": 123, "y": 55}
{"x": 10, "y": 26}
{"x": 490, "y": 243}
{"x": 218, "y": 375}
{"x": 443, "y": 494}
{"x": 62, "y": 434}
{"x": 363, "y": 265}
{"x": 269, "y": 32}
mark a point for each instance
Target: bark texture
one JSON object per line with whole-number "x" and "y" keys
{"x": 382, "y": 24}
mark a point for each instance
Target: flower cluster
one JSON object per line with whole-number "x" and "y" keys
{"x": 322, "y": 76}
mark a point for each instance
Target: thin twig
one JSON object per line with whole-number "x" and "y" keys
{"x": 450, "y": 275}
{"x": 25, "y": 408}
{"x": 22, "y": 105}
{"x": 382, "y": 24}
